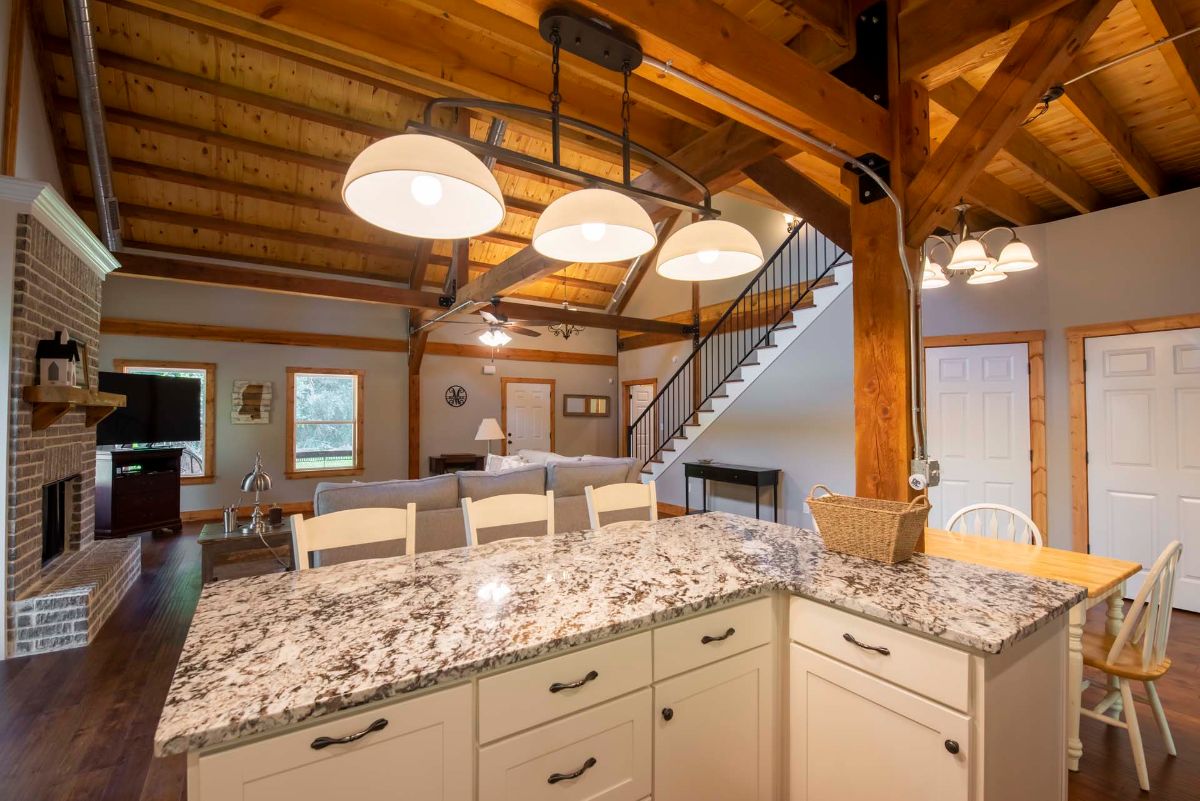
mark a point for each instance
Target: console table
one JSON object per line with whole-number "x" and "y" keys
{"x": 220, "y": 547}
{"x": 757, "y": 477}
{"x": 453, "y": 462}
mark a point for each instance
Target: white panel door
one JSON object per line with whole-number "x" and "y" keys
{"x": 640, "y": 397}
{"x": 528, "y": 409}
{"x": 977, "y": 400}
{"x": 1143, "y": 441}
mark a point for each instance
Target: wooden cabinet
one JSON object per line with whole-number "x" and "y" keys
{"x": 714, "y": 731}
{"x": 137, "y": 490}
{"x": 855, "y": 737}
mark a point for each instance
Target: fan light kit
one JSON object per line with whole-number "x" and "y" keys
{"x": 431, "y": 183}
{"x": 969, "y": 256}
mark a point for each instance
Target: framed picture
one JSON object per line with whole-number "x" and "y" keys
{"x": 586, "y": 406}
{"x": 251, "y": 403}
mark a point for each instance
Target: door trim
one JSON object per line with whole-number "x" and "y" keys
{"x": 1077, "y": 400}
{"x": 625, "y": 421}
{"x": 1039, "y": 505}
{"x": 504, "y": 382}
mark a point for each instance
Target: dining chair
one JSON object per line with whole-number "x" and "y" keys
{"x": 1138, "y": 652}
{"x": 507, "y": 510}
{"x": 620, "y": 498}
{"x": 996, "y": 521}
{"x": 352, "y": 527}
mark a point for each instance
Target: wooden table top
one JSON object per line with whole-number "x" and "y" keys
{"x": 1100, "y": 574}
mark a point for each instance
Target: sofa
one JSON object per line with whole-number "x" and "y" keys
{"x": 439, "y": 501}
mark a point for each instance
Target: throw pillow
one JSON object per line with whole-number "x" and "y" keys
{"x": 495, "y": 462}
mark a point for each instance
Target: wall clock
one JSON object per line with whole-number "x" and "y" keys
{"x": 456, "y": 396}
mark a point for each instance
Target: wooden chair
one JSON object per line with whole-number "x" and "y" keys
{"x": 507, "y": 510}
{"x": 352, "y": 527}
{"x": 996, "y": 521}
{"x": 1138, "y": 652}
{"x": 619, "y": 498}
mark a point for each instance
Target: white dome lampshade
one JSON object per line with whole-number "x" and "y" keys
{"x": 1015, "y": 257}
{"x": 933, "y": 276}
{"x": 709, "y": 250}
{"x": 594, "y": 225}
{"x": 495, "y": 338}
{"x": 988, "y": 275}
{"x": 423, "y": 186}
{"x": 970, "y": 254}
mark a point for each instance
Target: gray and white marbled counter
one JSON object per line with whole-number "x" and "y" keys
{"x": 275, "y": 650}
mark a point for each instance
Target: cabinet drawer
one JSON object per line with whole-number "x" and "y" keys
{"x": 706, "y": 638}
{"x": 425, "y": 747}
{"x": 913, "y": 662}
{"x": 608, "y": 747}
{"x": 534, "y": 694}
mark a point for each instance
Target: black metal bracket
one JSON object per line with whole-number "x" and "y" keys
{"x": 868, "y": 190}
{"x": 446, "y": 301}
{"x": 590, "y": 39}
{"x": 691, "y": 330}
{"x": 867, "y": 71}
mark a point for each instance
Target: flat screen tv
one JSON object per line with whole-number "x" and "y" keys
{"x": 157, "y": 409}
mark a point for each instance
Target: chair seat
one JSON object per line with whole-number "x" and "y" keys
{"x": 1096, "y": 646}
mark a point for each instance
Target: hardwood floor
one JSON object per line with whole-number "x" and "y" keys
{"x": 80, "y": 724}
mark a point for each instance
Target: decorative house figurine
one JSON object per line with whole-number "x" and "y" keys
{"x": 58, "y": 361}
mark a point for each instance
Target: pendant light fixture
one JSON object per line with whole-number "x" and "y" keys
{"x": 970, "y": 257}
{"x": 495, "y": 337}
{"x": 1016, "y": 257}
{"x": 594, "y": 225}
{"x": 933, "y": 276}
{"x": 709, "y": 250}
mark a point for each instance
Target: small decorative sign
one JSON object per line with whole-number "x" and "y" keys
{"x": 251, "y": 403}
{"x": 456, "y": 395}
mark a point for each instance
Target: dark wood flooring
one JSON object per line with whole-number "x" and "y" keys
{"x": 80, "y": 724}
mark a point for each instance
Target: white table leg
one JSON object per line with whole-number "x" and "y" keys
{"x": 1112, "y": 626}
{"x": 1078, "y": 615}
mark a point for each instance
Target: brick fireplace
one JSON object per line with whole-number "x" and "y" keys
{"x": 58, "y": 590}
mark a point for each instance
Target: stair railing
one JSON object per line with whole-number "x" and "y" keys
{"x": 802, "y": 263}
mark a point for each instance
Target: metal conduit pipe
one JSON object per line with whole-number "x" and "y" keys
{"x": 623, "y": 287}
{"x": 91, "y": 109}
{"x": 920, "y": 455}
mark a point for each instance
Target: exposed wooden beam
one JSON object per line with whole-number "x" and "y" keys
{"x": 1035, "y": 61}
{"x": 12, "y": 84}
{"x": 644, "y": 265}
{"x": 1086, "y": 102}
{"x": 1162, "y": 19}
{"x": 544, "y": 315}
{"x": 244, "y": 258}
{"x": 1027, "y": 152}
{"x": 990, "y": 192}
{"x": 831, "y": 17}
{"x": 124, "y": 326}
{"x": 808, "y": 200}
{"x": 519, "y": 354}
{"x": 416, "y": 276}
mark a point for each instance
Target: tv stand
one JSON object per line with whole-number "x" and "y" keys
{"x": 137, "y": 489}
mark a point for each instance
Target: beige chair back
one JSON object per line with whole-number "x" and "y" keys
{"x": 352, "y": 527}
{"x": 995, "y": 521}
{"x": 507, "y": 510}
{"x": 619, "y": 498}
{"x": 1149, "y": 620}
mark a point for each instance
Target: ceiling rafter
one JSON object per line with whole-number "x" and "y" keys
{"x": 1162, "y": 19}
{"x": 807, "y": 199}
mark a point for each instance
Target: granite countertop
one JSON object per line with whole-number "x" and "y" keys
{"x": 274, "y": 650}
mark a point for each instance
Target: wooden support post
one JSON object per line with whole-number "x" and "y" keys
{"x": 414, "y": 423}
{"x": 12, "y": 85}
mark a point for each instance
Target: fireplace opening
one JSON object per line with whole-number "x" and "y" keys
{"x": 57, "y": 510}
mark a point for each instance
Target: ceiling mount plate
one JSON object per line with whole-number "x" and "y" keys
{"x": 591, "y": 39}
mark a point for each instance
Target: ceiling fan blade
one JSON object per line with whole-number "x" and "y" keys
{"x": 487, "y": 315}
{"x": 528, "y": 332}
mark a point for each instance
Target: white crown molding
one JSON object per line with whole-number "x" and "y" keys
{"x": 50, "y": 209}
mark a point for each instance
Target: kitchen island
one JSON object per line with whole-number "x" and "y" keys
{"x": 751, "y": 627}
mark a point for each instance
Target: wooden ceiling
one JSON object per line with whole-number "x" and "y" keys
{"x": 231, "y": 122}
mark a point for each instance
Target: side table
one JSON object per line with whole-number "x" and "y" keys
{"x": 219, "y": 547}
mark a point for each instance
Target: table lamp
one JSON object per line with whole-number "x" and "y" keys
{"x": 256, "y": 481}
{"x": 489, "y": 430}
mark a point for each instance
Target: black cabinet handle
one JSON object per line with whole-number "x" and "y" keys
{"x": 952, "y": 746}
{"x": 707, "y": 638}
{"x": 325, "y": 742}
{"x": 555, "y": 778}
{"x": 668, "y": 713}
{"x": 879, "y": 649}
{"x": 559, "y": 686}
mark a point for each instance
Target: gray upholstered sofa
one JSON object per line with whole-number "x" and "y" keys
{"x": 439, "y": 506}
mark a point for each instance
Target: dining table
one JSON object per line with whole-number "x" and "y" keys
{"x": 1104, "y": 578}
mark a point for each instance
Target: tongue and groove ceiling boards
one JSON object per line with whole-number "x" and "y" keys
{"x": 231, "y": 122}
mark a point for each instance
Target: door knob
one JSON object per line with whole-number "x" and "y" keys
{"x": 668, "y": 713}
{"x": 952, "y": 746}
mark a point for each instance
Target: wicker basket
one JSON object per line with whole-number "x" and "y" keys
{"x": 886, "y": 531}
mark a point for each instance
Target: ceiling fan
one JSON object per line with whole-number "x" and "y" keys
{"x": 498, "y": 327}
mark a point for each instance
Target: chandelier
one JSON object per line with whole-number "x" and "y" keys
{"x": 566, "y": 330}
{"x": 431, "y": 183}
{"x": 970, "y": 257}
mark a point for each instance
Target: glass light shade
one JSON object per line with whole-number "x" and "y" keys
{"x": 933, "y": 277}
{"x": 988, "y": 275}
{"x": 494, "y": 338}
{"x": 425, "y": 187}
{"x": 1015, "y": 257}
{"x": 709, "y": 250}
{"x": 970, "y": 255}
{"x": 594, "y": 225}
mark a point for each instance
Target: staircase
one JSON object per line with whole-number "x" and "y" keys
{"x": 782, "y": 299}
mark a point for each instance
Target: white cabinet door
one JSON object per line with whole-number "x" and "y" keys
{"x": 1143, "y": 444}
{"x": 528, "y": 411}
{"x": 714, "y": 731}
{"x": 978, "y": 398}
{"x": 424, "y": 752}
{"x": 855, "y": 737}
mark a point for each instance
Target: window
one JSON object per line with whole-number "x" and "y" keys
{"x": 199, "y": 460}
{"x": 324, "y": 422}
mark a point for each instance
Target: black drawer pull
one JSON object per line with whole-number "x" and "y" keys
{"x": 879, "y": 649}
{"x": 325, "y": 742}
{"x": 559, "y": 686}
{"x": 555, "y": 778}
{"x": 952, "y": 746}
{"x": 668, "y": 713}
{"x": 707, "y": 638}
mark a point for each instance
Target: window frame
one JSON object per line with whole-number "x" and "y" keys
{"x": 210, "y": 408}
{"x": 291, "y": 471}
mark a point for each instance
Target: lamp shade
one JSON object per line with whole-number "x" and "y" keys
{"x": 933, "y": 276}
{"x": 594, "y": 225}
{"x": 489, "y": 429}
{"x": 969, "y": 255}
{"x": 709, "y": 250}
{"x": 988, "y": 275}
{"x": 494, "y": 337}
{"x": 1015, "y": 257}
{"x": 257, "y": 479}
{"x": 423, "y": 186}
